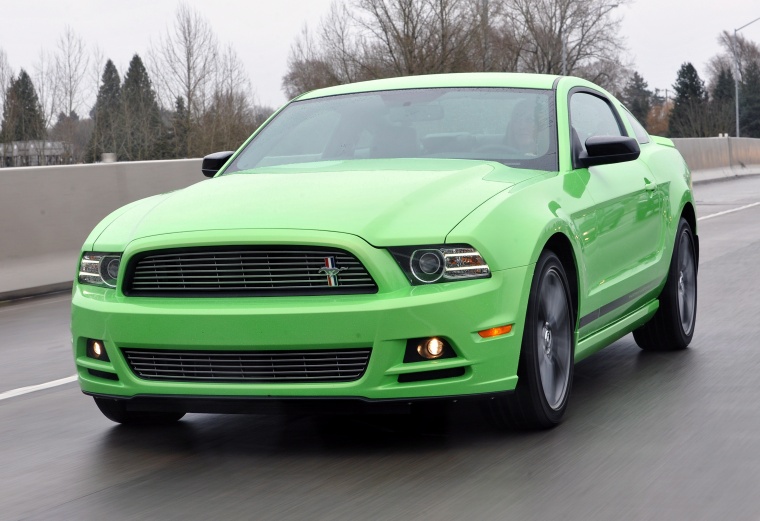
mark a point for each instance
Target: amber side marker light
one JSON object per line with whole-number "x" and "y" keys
{"x": 495, "y": 331}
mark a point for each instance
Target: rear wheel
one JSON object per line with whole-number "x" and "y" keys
{"x": 116, "y": 411}
{"x": 545, "y": 371}
{"x": 672, "y": 326}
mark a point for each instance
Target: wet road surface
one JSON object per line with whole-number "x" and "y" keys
{"x": 647, "y": 436}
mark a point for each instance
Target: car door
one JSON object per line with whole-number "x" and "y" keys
{"x": 621, "y": 256}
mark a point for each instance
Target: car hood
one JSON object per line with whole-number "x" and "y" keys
{"x": 389, "y": 202}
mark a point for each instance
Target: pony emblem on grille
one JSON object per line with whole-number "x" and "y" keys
{"x": 331, "y": 271}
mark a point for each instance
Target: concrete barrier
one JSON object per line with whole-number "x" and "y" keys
{"x": 715, "y": 158}
{"x": 47, "y": 212}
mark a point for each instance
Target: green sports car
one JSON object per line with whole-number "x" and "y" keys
{"x": 394, "y": 244}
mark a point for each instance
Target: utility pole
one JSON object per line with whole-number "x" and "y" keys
{"x": 484, "y": 30}
{"x": 738, "y": 71}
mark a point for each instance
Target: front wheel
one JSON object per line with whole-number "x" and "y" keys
{"x": 545, "y": 370}
{"x": 672, "y": 326}
{"x": 116, "y": 411}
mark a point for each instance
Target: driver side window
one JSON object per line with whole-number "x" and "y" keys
{"x": 592, "y": 116}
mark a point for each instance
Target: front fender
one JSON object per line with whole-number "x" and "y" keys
{"x": 511, "y": 229}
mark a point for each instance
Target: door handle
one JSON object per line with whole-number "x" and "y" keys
{"x": 649, "y": 186}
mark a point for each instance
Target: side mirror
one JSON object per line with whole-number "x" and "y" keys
{"x": 605, "y": 150}
{"x": 213, "y": 162}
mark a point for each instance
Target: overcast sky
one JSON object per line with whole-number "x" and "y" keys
{"x": 660, "y": 34}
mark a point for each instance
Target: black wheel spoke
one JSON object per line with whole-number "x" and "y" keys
{"x": 672, "y": 326}
{"x": 554, "y": 338}
{"x": 686, "y": 283}
{"x": 545, "y": 368}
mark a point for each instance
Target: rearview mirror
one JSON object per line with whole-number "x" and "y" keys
{"x": 605, "y": 150}
{"x": 213, "y": 162}
{"x": 415, "y": 112}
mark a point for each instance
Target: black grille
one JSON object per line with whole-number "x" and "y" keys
{"x": 243, "y": 271}
{"x": 343, "y": 365}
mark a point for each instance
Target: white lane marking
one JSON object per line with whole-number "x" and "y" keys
{"x": 724, "y": 212}
{"x": 32, "y": 388}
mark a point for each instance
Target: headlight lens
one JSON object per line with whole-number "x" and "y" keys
{"x": 99, "y": 269}
{"x": 444, "y": 263}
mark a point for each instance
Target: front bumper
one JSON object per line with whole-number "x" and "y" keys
{"x": 290, "y": 406}
{"x": 383, "y": 321}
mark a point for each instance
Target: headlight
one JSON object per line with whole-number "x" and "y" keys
{"x": 428, "y": 264}
{"x": 99, "y": 269}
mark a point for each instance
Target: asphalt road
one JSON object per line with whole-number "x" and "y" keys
{"x": 648, "y": 436}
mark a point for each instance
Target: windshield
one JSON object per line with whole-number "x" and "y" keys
{"x": 513, "y": 126}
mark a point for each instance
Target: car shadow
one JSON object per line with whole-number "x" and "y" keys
{"x": 616, "y": 384}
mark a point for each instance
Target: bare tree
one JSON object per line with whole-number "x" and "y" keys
{"x": 364, "y": 39}
{"x": 95, "y": 69}
{"x": 497, "y": 40}
{"x": 404, "y": 37}
{"x": 309, "y": 68}
{"x": 60, "y": 79}
{"x": 367, "y": 39}
{"x": 659, "y": 114}
{"x": 6, "y": 73}
{"x": 71, "y": 62}
{"x": 47, "y": 86}
{"x": 697, "y": 120}
{"x": 183, "y": 62}
{"x": 587, "y": 29}
{"x": 231, "y": 116}
{"x": 746, "y": 51}
{"x": 230, "y": 74}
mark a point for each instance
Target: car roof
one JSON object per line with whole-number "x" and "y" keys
{"x": 469, "y": 79}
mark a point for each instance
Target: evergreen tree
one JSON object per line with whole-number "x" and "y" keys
{"x": 142, "y": 128}
{"x": 65, "y": 129}
{"x": 722, "y": 102}
{"x": 724, "y": 90}
{"x": 637, "y": 97}
{"x": 22, "y": 113}
{"x": 749, "y": 114}
{"x": 106, "y": 114}
{"x": 689, "y": 117}
{"x": 179, "y": 129}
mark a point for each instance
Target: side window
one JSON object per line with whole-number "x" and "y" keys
{"x": 592, "y": 116}
{"x": 641, "y": 133}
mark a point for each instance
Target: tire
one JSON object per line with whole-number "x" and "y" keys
{"x": 672, "y": 326}
{"x": 545, "y": 369}
{"x": 116, "y": 411}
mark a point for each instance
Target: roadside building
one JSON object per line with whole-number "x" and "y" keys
{"x": 34, "y": 153}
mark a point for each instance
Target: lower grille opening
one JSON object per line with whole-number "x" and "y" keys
{"x": 336, "y": 365}
{"x": 431, "y": 375}
{"x": 103, "y": 374}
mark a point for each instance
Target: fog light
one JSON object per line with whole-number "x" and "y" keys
{"x": 431, "y": 348}
{"x": 96, "y": 349}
